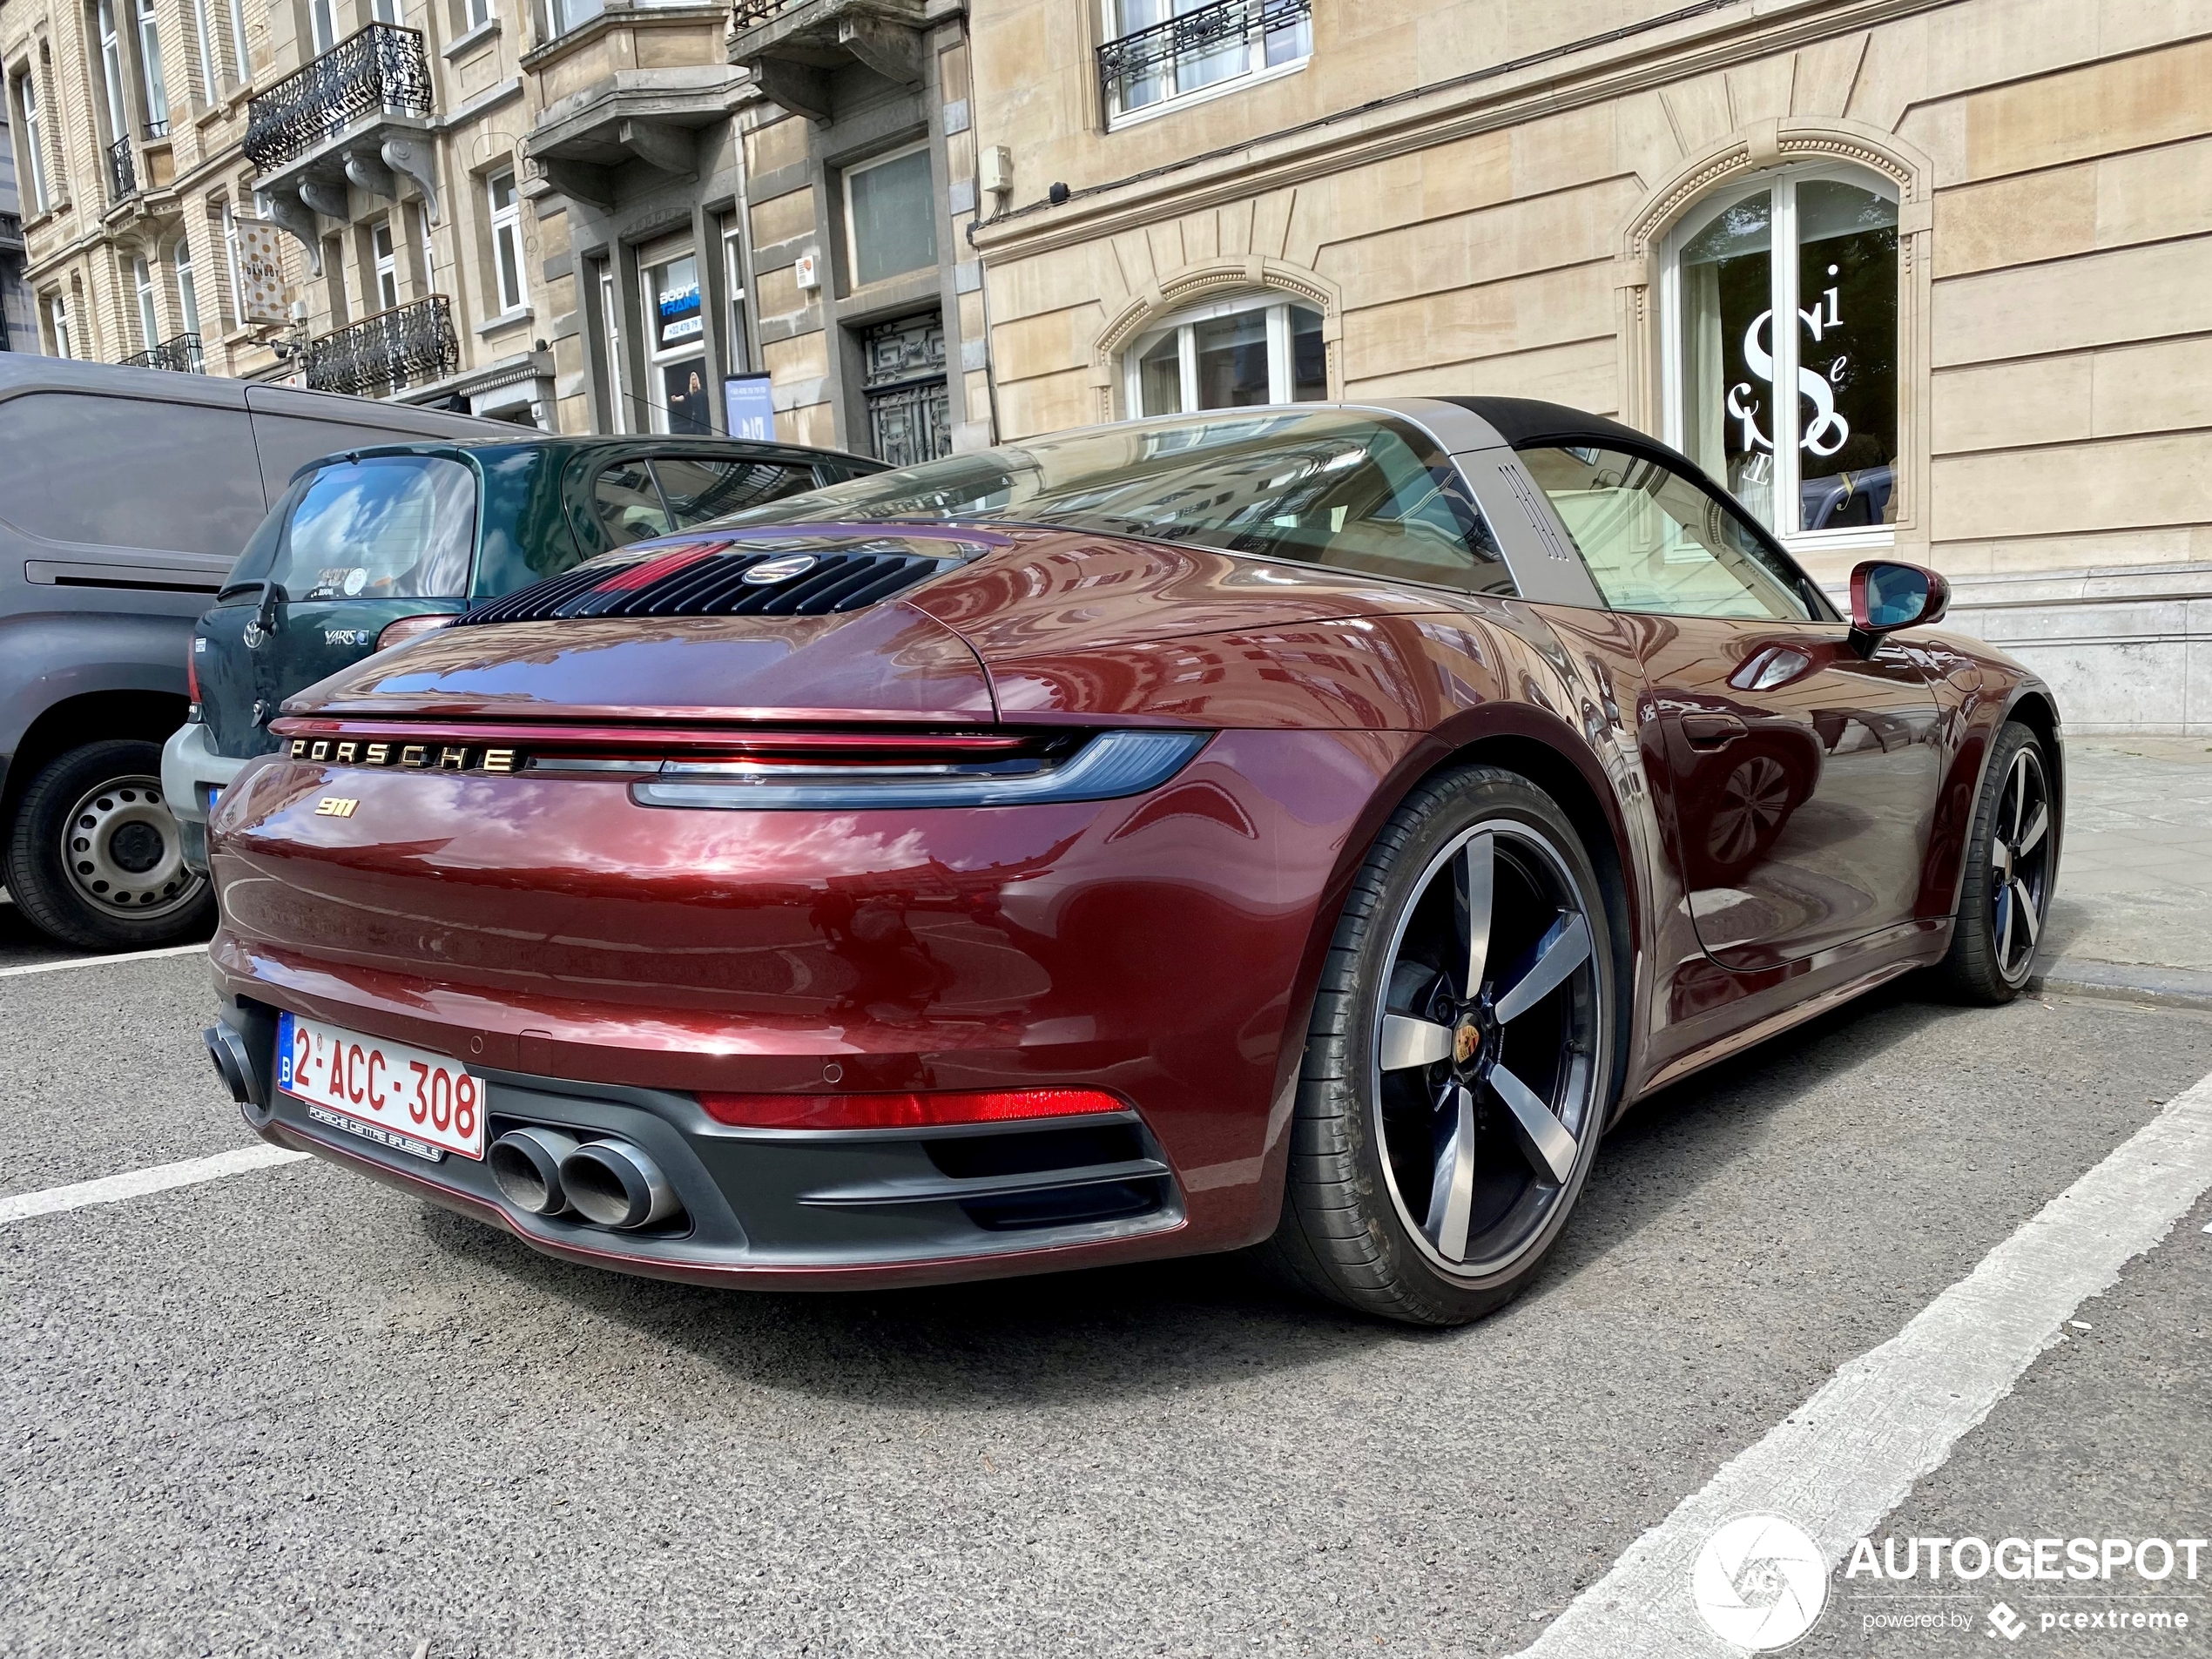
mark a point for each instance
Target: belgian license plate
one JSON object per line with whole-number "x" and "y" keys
{"x": 408, "y": 1099}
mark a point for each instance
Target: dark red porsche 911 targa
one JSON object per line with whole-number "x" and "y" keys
{"x": 1305, "y": 826}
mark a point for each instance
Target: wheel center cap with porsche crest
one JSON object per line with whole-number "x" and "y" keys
{"x": 1467, "y": 1043}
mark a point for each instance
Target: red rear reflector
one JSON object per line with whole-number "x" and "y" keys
{"x": 191, "y": 672}
{"x": 904, "y": 1111}
{"x": 650, "y": 570}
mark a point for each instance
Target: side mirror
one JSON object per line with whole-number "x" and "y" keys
{"x": 1886, "y": 597}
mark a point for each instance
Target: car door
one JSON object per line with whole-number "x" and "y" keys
{"x": 1801, "y": 776}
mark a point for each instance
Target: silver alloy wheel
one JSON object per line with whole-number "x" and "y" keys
{"x": 2020, "y": 865}
{"x": 1488, "y": 1047}
{"x": 125, "y": 853}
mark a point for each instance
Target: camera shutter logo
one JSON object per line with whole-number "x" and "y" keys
{"x": 1759, "y": 1583}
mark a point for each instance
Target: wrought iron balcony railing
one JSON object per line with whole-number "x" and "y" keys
{"x": 158, "y": 129}
{"x": 752, "y": 13}
{"x": 409, "y": 345}
{"x": 180, "y": 352}
{"x": 1145, "y": 67}
{"x": 383, "y": 67}
{"x": 122, "y": 174}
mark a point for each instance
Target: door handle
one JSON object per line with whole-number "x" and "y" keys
{"x": 1711, "y": 731}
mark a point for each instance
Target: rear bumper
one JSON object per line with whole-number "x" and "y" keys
{"x": 190, "y": 768}
{"x": 793, "y": 1209}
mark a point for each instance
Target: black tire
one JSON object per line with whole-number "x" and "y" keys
{"x": 1985, "y": 965}
{"x": 1348, "y": 1232}
{"x": 134, "y": 828}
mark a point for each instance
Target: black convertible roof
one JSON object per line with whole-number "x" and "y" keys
{"x": 1526, "y": 420}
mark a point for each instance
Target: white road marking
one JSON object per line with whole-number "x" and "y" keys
{"x": 136, "y": 1183}
{"x": 89, "y": 962}
{"x": 1854, "y": 1451}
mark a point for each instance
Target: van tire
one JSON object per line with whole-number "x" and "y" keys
{"x": 47, "y": 890}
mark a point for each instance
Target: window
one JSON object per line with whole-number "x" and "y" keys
{"x": 675, "y": 342}
{"x": 187, "y": 288}
{"x": 149, "y": 322}
{"x": 119, "y": 119}
{"x": 231, "y": 267}
{"x": 203, "y": 37}
{"x": 699, "y": 490}
{"x": 1655, "y": 541}
{"x": 628, "y": 504}
{"x": 322, "y": 25}
{"x": 58, "y": 321}
{"x": 429, "y": 250}
{"x": 733, "y": 276}
{"x": 150, "y": 69}
{"x": 1319, "y": 486}
{"x": 611, "y": 322}
{"x": 238, "y": 41}
{"x": 475, "y": 14}
{"x": 1230, "y": 354}
{"x": 506, "y": 240}
{"x": 571, "y": 14}
{"x": 1819, "y": 245}
{"x": 388, "y": 265}
{"x": 890, "y": 216}
{"x": 384, "y": 527}
{"x": 385, "y": 11}
{"x": 34, "y": 140}
{"x": 1157, "y": 51}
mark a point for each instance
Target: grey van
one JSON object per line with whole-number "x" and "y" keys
{"x": 125, "y": 493}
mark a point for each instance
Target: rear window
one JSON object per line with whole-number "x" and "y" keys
{"x": 699, "y": 490}
{"x": 1322, "y": 486}
{"x": 384, "y": 527}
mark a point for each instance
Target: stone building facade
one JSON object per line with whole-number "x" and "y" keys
{"x": 382, "y": 135}
{"x": 1992, "y": 219}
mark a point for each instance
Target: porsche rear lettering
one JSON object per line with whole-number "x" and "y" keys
{"x": 413, "y": 756}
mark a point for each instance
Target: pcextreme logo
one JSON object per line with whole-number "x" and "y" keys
{"x": 1759, "y": 1583}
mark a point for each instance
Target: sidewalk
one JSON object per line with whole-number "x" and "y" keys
{"x": 2132, "y": 915}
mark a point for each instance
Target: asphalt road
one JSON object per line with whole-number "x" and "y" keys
{"x": 289, "y": 1411}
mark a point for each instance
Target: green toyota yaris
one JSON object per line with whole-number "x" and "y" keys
{"x": 372, "y": 547}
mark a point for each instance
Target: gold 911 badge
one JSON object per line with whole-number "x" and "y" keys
{"x": 335, "y": 806}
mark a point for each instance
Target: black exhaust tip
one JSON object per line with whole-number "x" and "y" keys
{"x": 227, "y": 1049}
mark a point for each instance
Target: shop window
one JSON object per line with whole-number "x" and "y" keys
{"x": 1252, "y": 349}
{"x": 1162, "y": 52}
{"x": 1818, "y": 245}
{"x": 890, "y": 216}
{"x": 676, "y": 376}
{"x": 506, "y": 240}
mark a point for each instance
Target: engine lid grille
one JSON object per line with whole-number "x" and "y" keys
{"x": 724, "y": 579}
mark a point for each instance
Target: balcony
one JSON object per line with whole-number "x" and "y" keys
{"x": 362, "y": 114}
{"x": 1214, "y": 45}
{"x": 179, "y": 353}
{"x": 624, "y": 97}
{"x": 793, "y": 47}
{"x": 409, "y": 345}
{"x": 122, "y": 173}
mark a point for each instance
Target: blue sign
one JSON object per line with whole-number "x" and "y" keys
{"x": 750, "y": 406}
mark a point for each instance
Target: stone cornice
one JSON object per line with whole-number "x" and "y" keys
{"x": 1571, "y": 76}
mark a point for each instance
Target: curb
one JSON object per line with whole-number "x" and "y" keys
{"x": 2180, "y": 988}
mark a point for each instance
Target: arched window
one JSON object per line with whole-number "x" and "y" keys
{"x": 1253, "y": 349}
{"x": 1818, "y": 244}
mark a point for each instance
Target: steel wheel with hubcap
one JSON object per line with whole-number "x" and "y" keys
{"x": 1464, "y": 1057}
{"x": 97, "y": 859}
